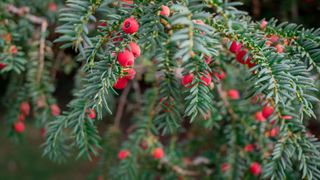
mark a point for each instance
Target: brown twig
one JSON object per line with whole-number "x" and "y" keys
{"x": 180, "y": 170}
{"x": 42, "y": 47}
{"x": 256, "y": 8}
{"x": 122, "y": 103}
{"x": 24, "y": 11}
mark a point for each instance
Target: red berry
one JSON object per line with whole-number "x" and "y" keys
{"x": 233, "y": 94}
{"x": 279, "y": 48}
{"x": 263, "y": 24}
{"x": 123, "y": 154}
{"x": 13, "y": 49}
{"x": 187, "y": 80}
{"x": 130, "y": 26}
{"x": 206, "y": 79}
{"x": 25, "y": 108}
{"x": 274, "y": 132}
{"x": 259, "y": 117}
{"x": 268, "y": 43}
{"x": 249, "y": 148}
{"x": 19, "y": 127}
{"x": 225, "y": 167}
{"x": 207, "y": 59}
{"x": 267, "y": 111}
{"x": 121, "y": 83}
{"x": 158, "y": 153}
{"x": 125, "y": 58}
{"x": 129, "y": 73}
{"x": 135, "y": 49}
{"x": 273, "y": 38}
{"x": 165, "y": 11}
{"x": 92, "y": 114}
{"x": 55, "y": 110}
{"x": 53, "y": 7}
{"x": 235, "y": 47}
{"x": 21, "y": 118}
{"x": 249, "y": 63}
{"x": 255, "y": 168}
{"x": 220, "y": 75}
{"x": 240, "y": 56}
{"x": 2, "y": 65}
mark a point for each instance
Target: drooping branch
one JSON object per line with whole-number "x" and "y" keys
{"x": 25, "y": 12}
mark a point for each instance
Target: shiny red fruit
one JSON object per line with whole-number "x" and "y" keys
{"x": 259, "y": 117}
{"x": 121, "y": 83}
{"x": 123, "y": 154}
{"x": 125, "y": 58}
{"x": 233, "y": 94}
{"x": 55, "y": 110}
{"x": 249, "y": 148}
{"x": 165, "y": 11}
{"x": 187, "y": 80}
{"x": 135, "y": 49}
{"x": 129, "y": 73}
{"x": 263, "y": 24}
{"x": 255, "y": 168}
{"x": 235, "y": 47}
{"x": 267, "y": 111}
{"x": 240, "y": 57}
{"x": 158, "y": 153}
{"x": 92, "y": 114}
{"x": 130, "y": 26}
{"x": 206, "y": 79}
{"x": 19, "y": 127}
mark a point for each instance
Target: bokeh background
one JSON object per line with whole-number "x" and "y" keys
{"x": 24, "y": 160}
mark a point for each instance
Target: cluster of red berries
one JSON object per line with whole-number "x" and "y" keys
{"x": 241, "y": 53}
{"x": 187, "y": 80}
{"x": 273, "y": 40}
{"x": 264, "y": 114}
{"x": 13, "y": 50}
{"x": 19, "y": 126}
{"x": 127, "y": 57}
{"x": 25, "y": 108}
{"x": 157, "y": 153}
{"x": 255, "y": 168}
